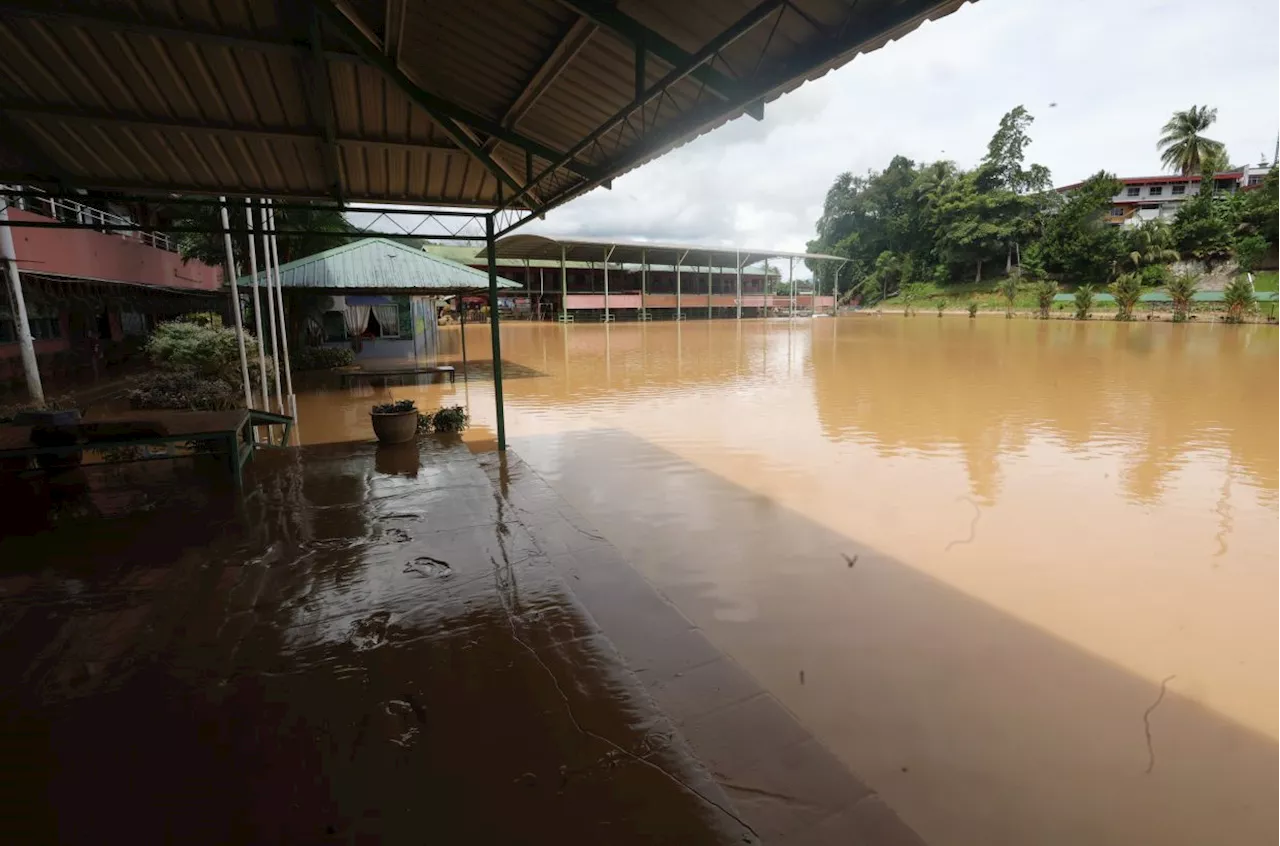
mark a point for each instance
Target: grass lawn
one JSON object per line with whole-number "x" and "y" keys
{"x": 958, "y": 295}
{"x": 1265, "y": 280}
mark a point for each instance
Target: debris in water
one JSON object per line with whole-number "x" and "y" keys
{"x": 369, "y": 632}
{"x": 1146, "y": 723}
{"x": 527, "y": 779}
{"x": 425, "y": 565}
{"x": 973, "y": 526}
{"x": 851, "y": 561}
{"x": 802, "y": 677}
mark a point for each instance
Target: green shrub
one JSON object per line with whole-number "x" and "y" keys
{"x": 1127, "y": 289}
{"x": 942, "y": 306}
{"x": 397, "y": 407}
{"x": 973, "y": 309}
{"x": 450, "y": 419}
{"x": 1249, "y": 250}
{"x": 1155, "y": 275}
{"x": 1045, "y": 291}
{"x": 322, "y": 358}
{"x": 1008, "y": 288}
{"x": 1182, "y": 287}
{"x": 1238, "y": 297}
{"x": 185, "y": 390}
{"x": 1084, "y": 301}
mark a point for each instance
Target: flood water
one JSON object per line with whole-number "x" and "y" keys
{"x": 1021, "y": 577}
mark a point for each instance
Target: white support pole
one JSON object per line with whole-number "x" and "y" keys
{"x": 542, "y": 291}
{"x": 257, "y": 308}
{"x": 764, "y": 290}
{"x": 791, "y": 277}
{"x": 284, "y": 327}
{"x": 271, "y": 304}
{"x": 564, "y": 289}
{"x": 235, "y": 303}
{"x": 709, "y": 292}
{"x": 607, "y": 254}
{"x": 644, "y": 277}
{"x": 835, "y": 289}
{"x": 679, "y": 304}
{"x": 737, "y": 263}
{"x": 26, "y": 344}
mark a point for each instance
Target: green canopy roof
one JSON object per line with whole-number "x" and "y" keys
{"x": 381, "y": 265}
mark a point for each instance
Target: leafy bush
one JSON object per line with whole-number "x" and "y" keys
{"x": 1008, "y": 288}
{"x": 397, "y": 407}
{"x": 1155, "y": 275}
{"x": 1238, "y": 296}
{"x": 1181, "y": 289}
{"x": 1249, "y": 250}
{"x": 973, "y": 309}
{"x": 942, "y": 306}
{"x": 322, "y": 358}
{"x": 1127, "y": 289}
{"x": 1084, "y": 301}
{"x": 911, "y": 293}
{"x": 1045, "y": 291}
{"x": 184, "y": 390}
{"x": 450, "y": 419}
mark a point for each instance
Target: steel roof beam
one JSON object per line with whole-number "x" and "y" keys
{"x": 858, "y": 31}
{"x": 607, "y": 16}
{"x": 437, "y": 106}
{"x": 78, "y": 115}
{"x": 735, "y": 31}
{"x": 322, "y": 100}
{"x": 566, "y": 48}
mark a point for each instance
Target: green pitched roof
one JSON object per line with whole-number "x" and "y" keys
{"x": 380, "y": 264}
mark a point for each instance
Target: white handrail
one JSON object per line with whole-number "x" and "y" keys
{"x": 72, "y": 212}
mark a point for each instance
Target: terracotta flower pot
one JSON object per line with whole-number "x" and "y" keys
{"x": 395, "y": 428}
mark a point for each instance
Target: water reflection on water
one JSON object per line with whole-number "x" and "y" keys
{"x": 986, "y": 544}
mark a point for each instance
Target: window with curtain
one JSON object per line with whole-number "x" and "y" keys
{"x": 388, "y": 320}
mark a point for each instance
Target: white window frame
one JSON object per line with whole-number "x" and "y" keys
{"x": 1155, "y": 190}
{"x": 1133, "y": 191}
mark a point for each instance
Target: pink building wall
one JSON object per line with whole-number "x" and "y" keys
{"x": 111, "y": 257}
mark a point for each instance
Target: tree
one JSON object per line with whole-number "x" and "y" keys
{"x": 1008, "y": 288}
{"x": 1077, "y": 242}
{"x": 1127, "y": 289}
{"x": 1238, "y": 297}
{"x": 1249, "y": 250}
{"x": 1151, "y": 243}
{"x": 1259, "y": 209}
{"x": 1203, "y": 225}
{"x": 1183, "y": 146}
{"x": 1045, "y": 291}
{"x": 209, "y": 247}
{"x": 1084, "y": 301}
{"x": 1181, "y": 289}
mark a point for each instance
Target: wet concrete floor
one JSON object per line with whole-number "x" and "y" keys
{"x": 407, "y": 645}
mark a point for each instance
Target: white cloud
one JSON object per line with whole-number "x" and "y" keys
{"x": 1115, "y": 68}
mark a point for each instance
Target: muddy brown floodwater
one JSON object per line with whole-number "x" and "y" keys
{"x": 1020, "y": 577}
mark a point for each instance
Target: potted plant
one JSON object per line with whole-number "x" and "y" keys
{"x": 395, "y": 422}
{"x": 450, "y": 420}
{"x": 55, "y": 425}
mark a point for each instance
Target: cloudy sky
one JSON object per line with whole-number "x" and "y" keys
{"x": 1116, "y": 70}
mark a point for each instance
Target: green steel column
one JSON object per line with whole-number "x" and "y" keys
{"x": 737, "y": 263}
{"x": 490, "y": 249}
{"x": 564, "y": 289}
{"x": 644, "y": 281}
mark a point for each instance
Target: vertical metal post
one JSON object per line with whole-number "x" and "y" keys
{"x": 542, "y": 291}
{"x": 528, "y": 282}
{"x": 284, "y": 327}
{"x": 644, "y": 280}
{"x": 835, "y": 289}
{"x": 607, "y": 253}
{"x": 26, "y": 344}
{"x": 679, "y": 261}
{"x": 564, "y": 289}
{"x": 737, "y": 263}
{"x": 490, "y": 249}
{"x": 791, "y": 277}
{"x": 462, "y": 324}
{"x": 271, "y": 304}
{"x": 257, "y": 306}
{"x": 235, "y": 306}
{"x": 709, "y": 292}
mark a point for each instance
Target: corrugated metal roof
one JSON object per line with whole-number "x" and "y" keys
{"x": 380, "y": 264}
{"x": 448, "y": 102}
{"x": 634, "y": 252}
{"x": 470, "y": 255}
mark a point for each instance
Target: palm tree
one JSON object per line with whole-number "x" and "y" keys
{"x": 1127, "y": 289}
{"x": 1045, "y": 290}
{"x": 1238, "y": 297}
{"x": 1084, "y": 301}
{"x": 1008, "y": 288}
{"x": 1181, "y": 289}
{"x": 1183, "y": 145}
{"x": 1152, "y": 243}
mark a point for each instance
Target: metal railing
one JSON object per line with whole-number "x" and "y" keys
{"x": 70, "y": 211}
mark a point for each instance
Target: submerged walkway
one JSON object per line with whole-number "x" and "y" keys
{"x": 409, "y": 645}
